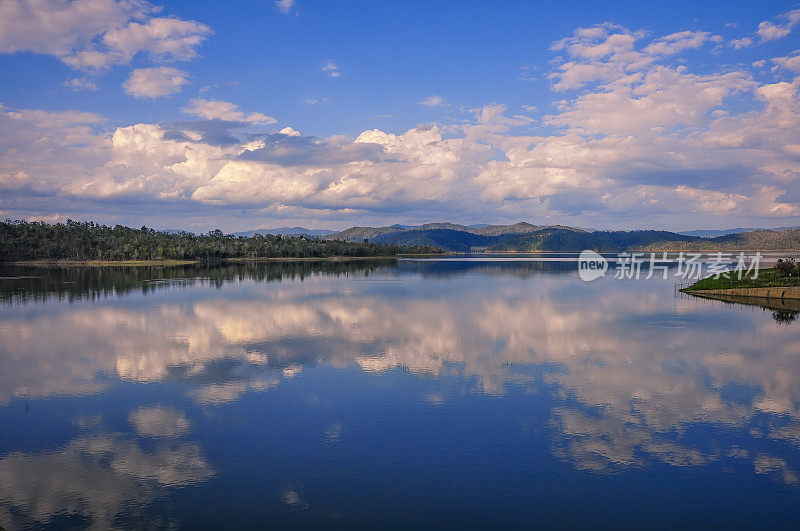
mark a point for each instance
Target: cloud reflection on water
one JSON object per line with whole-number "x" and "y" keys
{"x": 627, "y": 388}
{"x": 100, "y": 477}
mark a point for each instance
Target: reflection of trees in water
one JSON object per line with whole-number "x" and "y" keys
{"x": 28, "y": 284}
{"x": 784, "y": 316}
{"x": 784, "y": 311}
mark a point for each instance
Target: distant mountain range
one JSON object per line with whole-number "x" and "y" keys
{"x": 379, "y": 234}
{"x": 715, "y": 233}
{"x": 287, "y": 231}
{"x": 525, "y": 236}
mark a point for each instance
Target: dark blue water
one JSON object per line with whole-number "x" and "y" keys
{"x": 460, "y": 394}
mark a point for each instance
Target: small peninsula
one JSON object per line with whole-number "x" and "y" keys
{"x": 781, "y": 282}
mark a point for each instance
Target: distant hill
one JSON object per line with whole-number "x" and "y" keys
{"x": 775, "y": 240}
{"x": 572, "y": 240}
{"x": 446, "y": 239}
{"x": 358, "y": 234}
{"x": 716, "y": 233}
{"x": 713, "y": 233}
{"x": 517, "y": 228}
{"x": 525, "y": 236}
{"x": 286, "y": 231}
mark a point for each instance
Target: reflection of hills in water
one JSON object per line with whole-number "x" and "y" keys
{"x": 25, "y": 283}
{"x": 502, "y": 267}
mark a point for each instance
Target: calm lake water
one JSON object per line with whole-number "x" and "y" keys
{"x": 450, "y": 393}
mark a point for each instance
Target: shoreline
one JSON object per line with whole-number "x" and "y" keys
{"x": 165, "y": 263}
{"x": 636, "y": 250}
{"x": 338, "y": 258}
{"x": 771, "y": 303}
{"x": 724, "y": 251}
{"x": 767, "y": 292}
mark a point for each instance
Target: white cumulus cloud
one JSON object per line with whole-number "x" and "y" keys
{"x": 790, "y": 62}
{"x": 224, "y": 110}
{"x": 155, "y": 82}
{"x": 95, "y": 34}
{"x": 738, "y": 44}
{"x": 638, "y": 133}
{"x": 677, "y": 42}
{"x": 770, "y": 31}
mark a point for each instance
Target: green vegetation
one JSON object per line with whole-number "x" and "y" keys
{"x": 524, "y": 237}
{"x": 572, "y": 240}
{"x": 787, "y": 268}
{"x": 532, "y": 239}
{"x": 767, "y": 278}
{"x": 774, "y": 240}
{"x": 88, "y": 241}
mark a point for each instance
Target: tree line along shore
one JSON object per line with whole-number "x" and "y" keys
{"x": 73, "y": 241}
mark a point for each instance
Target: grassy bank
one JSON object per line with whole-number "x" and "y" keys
{"x": 767, "y": 278}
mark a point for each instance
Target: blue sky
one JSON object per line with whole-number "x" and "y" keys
{"x": 329, "y": 114}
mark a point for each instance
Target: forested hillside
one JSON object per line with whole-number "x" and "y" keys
{"x": 558, "y": 239}
{"x": 526, "y": 237}
{"x": 778, "y": 240}
{"x": 73, "y": 240}
{"x": 447, "y": 239}
{"x": 544, "y": 239}
{"x": 20, "y": 240}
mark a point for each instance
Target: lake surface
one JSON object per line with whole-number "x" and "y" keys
{"x": 475, "y": 393}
